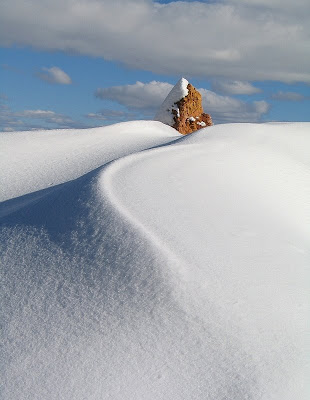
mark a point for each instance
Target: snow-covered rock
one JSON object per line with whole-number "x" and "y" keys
{"x": 165, "y": 113}
{"x": 182, "y": 109}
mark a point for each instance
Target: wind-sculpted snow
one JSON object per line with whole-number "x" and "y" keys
{"x": 32, "y": 161}
{"x": 179, "y": 272}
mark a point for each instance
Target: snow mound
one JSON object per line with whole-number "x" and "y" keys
{"x": 178, "y": 92}
{"x": 52, "y": 157}
{"x": 177, "y": 272}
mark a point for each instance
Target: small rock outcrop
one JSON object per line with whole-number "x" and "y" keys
{"x": 182, "y": 109}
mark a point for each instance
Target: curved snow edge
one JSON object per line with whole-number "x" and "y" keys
{"x": 105, "y": 184}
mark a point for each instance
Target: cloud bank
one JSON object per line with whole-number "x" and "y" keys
{"x": 147, "y": 97}
{"x": 238, "y": 39}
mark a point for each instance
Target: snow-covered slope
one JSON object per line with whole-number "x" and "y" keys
{"x": 35, "y": 160}
{"x": 179, "y": 272}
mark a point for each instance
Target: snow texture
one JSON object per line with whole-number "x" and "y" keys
{"x": 53, "y": 157}
{"x": 178, "y": 92}
{"x": 177, "y": 272}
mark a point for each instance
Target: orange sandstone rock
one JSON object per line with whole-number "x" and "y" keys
{"x": 190, "y": 116}
{"x": 182, "y": 109}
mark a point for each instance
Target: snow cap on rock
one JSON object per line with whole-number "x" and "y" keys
{"x": 182, "y": 109}
{"x": 178, "y": 92}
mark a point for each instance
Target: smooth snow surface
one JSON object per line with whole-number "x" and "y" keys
{"x": 179, "y": 272}
{"x": 35, "y": 160}
{"x": 177, "y": 93}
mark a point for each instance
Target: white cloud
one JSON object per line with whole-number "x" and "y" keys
{"x": 49, "y": 117}
{"x": 288, "y": 96}
{"x": 54, "y": 75}
{"x": 227, "y": 109}
{"x": 38, "y": 114}
{"x": 236, "y": 39}
{"x": 98, "y": 116}
{"x": 34, "y": 119}
{"x": 140, "y": 95}
{"x": 234, "y": 87}
{"x": 147, "y": 97}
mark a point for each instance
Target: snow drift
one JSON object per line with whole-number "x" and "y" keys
{"x": 177, "y": 272}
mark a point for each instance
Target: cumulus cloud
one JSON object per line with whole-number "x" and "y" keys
{"x": 235, "y": 39}
{"x": 147, "y": 97}
{"x": 234, "y": 87}
{"x": 224, "y": 109}
{"x": 54, "y": 75}
{"x": 288, "y": 96}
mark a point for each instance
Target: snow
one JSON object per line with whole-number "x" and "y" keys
{"x": 178, "y": 271}
{"x": 178, "y": 92}
{"x": 201, "y": 123}
{"x": 56, "y": 156}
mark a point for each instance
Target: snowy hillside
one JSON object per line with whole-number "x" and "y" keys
{"x": 178, "y": 271}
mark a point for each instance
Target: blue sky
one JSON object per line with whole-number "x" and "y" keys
{"x": 89, "y": 63}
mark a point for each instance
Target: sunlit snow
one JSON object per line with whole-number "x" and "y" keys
{"x": 177, "y": 93}
{"x": 138, "y": 264}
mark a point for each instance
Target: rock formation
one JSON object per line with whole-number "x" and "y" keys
{"x": 182, "y": 109}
